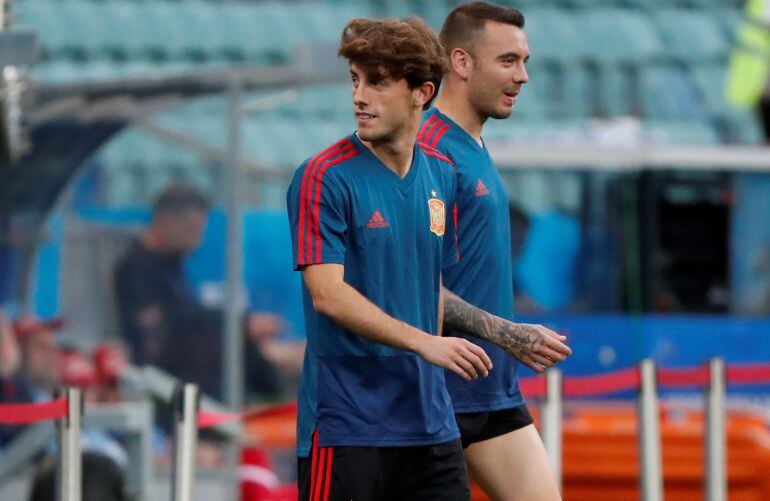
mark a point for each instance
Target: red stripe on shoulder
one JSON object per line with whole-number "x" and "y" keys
{"x": 425, "y": 127}
{"x": 304, "y": 230}
{"x": 314, "y": 240}
{"x": 438, "y": 135}
{"x": 426, "y": 138}
{"x": 433, "y": 152}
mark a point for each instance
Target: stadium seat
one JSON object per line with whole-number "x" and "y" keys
{"x": 574, "y": 86}
{"x": 194, "y": 19}
{"x": 692, "y": 36}
{"x": 709, "y": 80}
{"x": 731, "y": 20}
{"x": 668, "y": 94}
{"x": 688, "y": 132}
{"x": 331, "y": 100}
{"x": 60, "y": 35}
{"x": 619, "y": 35}
{"x": 537, "y": 97}
{"x": 554, "y": 36}
{"x": 615, "y": 91}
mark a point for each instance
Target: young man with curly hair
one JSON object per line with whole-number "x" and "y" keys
{"x": 371, "y": 229}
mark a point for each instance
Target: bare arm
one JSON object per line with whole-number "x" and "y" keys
{"x": 533, "y": 345}
{"x": 347, "y": 307}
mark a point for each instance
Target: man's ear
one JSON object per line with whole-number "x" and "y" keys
{"x": 461, "y": 62}
{"x": 423, "y": 94}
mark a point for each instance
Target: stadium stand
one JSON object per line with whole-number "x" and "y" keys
{"x": 660, "y": 61}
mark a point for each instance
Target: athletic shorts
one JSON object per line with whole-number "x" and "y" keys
{"x": 417, "y": 473}
{"x": 480, "y": 426}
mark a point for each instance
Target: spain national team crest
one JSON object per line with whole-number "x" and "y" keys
{"x": 437, "y": 216}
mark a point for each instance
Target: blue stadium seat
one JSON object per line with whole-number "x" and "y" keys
{"x": 553, "y": 35}
{"x": 669, "y": 94}
{"x": 196, "y": 18}
{"x": 614, "y": 90}
{"x": 691, "y": 36}
{"x": 709, "y": 80}
{"x": 537, "y": 97}
{"x": 685, "y": 132}
{"x": 619, "y": 35}
{"x": 59, "y": 35}
{"x": 330, "y": 100}
{"x": 575, "y": 88}
{"x": 731, "y": 20}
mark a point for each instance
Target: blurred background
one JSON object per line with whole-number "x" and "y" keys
{"x": 636, "y": 162}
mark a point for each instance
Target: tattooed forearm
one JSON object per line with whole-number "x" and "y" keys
{"x": 533, "y": 345}
{"x": 462, "y": 316}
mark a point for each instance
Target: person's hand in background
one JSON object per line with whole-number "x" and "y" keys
{"x": 10, "y": 354}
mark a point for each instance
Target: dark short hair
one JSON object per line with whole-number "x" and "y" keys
{"x": 465, "y": 23}
{"x": 180, "y": 197}
{"x": 103, "y": 479}
{"x": 407, "y": 49}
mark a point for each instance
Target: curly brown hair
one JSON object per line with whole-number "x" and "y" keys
{"x": 407, "y": 49}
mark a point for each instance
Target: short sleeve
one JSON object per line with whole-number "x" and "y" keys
{"x": 451, "y": 250}
{"x": 317, "y": 218}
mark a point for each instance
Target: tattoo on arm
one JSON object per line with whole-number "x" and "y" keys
{"x": 460, "y": 315}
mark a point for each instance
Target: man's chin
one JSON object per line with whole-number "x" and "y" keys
{"x": 501, "y": 113}
{"x": 369, "y": 136}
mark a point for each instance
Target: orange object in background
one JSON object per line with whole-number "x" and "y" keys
{"x": 600, "y": 452}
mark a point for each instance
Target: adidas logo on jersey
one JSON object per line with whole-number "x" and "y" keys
{"x": 377, "y": 221}
{"x": 481, "y": 189}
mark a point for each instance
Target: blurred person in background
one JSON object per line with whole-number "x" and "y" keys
{"x": 30, "y": 359}
{"x": 748, "y": 83}
{"x": 487, "y": 52}
{"x": 30, "y": 365}
{"x": 162, "y": 321}
{"x": 103, "y": 480}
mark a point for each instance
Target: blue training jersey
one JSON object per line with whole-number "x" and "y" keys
{"x": 393, "y": 236}
{"x": 483, "y": 275}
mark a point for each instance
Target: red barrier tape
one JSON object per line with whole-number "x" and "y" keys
{"x": 533, "y": 387}
{"x": 536, "y": 387}
{"x": 603, "y": 384}
{"x": 31, "y": 413}
{"x": 689, "y": 377}
{"x": 748, "y": 374}
{"x": 210, "y": 419}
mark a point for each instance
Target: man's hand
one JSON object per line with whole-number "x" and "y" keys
{"x": 533, "y": 345}
{"x": 460, "y": 356}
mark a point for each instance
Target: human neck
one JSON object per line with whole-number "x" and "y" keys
{"x": 454, "y": 103}
{"x": 396, "y": 153}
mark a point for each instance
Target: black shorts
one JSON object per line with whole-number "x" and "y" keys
{"x": 427, "y": 472}
{"x": 480, "y": 426}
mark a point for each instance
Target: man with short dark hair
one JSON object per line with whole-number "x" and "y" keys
{"x": 162, "y": 321}
{"x": 486, "y": 50}
{"x": 370, "y": 230}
